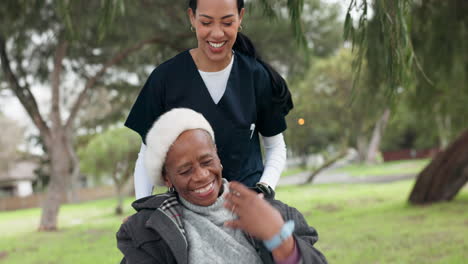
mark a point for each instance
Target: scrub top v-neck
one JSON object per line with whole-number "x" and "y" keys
{"x": 244, "y": 110}
{"x": 216, "y": 82}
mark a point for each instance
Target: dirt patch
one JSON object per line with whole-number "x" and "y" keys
{"x": 329, "y": 208}
{"x": 416, "y": 218}
{"x": 94, "y": 234}
{"x": 365, "y": 201}
{"x": 95, "y": 231}
{"x": 3, "y": 255}
{"x": 31, "y": 249}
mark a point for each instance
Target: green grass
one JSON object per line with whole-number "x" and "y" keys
{"x": 292, "y": 171}
{"x": 86, "y": 235}
{"x": 387, "y": 168}
{"x": 374, "y": 224}
{"x": 356, "y": 223}
{"x": 364, "y": 170}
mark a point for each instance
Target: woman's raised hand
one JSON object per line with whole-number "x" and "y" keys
{"x": 255, "y": 215}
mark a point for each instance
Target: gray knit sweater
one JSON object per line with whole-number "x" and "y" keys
{"x": 209, "y": 241}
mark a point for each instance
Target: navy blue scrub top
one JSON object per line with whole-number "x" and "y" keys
{"x": 245, "y": 109}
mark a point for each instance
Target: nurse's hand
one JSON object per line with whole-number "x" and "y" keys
{"x": 255, "y": 215}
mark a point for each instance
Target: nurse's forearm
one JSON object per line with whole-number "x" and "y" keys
{"x": 275, "y": 159}
{"x": 143, "y": 185}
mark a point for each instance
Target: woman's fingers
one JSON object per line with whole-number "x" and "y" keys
{"x": 236, "y": 224}
{"x": 239, "y": 189}
{"x": 233, "y": 199}
{"x": 237, "y": 199}
{"x": 230, "y": 206}
{"x": 239, "y": 194}
{"x": 255, "y": 215}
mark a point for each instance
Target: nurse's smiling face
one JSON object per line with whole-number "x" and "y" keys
{"x": 216, "y": 23}
{"x": 193, "y": 168}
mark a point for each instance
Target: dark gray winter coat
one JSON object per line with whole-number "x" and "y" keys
{"x": 155, "y": 234}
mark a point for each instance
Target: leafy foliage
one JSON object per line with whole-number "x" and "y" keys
{"x": 440, "y": 40}
{"x": 323, "y": 99}
{"x": 417, "y": 54}
{"x": 9, "y": 142}
{"x": 109, "y": 153}
{"x": 409, "y": 129}
{"x": 273, "y": 37}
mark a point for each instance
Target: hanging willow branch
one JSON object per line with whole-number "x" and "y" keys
{"x": 386, "y": 31}
{"x": 110, "y": 9}
{"x": 295, "y": 8}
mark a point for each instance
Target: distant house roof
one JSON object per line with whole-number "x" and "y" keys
{"x": 22, "y": 170}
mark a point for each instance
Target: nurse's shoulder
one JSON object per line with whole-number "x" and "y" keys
{"x": 171, "y": 68}
{"x": 258, "y": 73}
{"x": 252, "y": 65}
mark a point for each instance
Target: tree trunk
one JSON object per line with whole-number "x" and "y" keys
{"x": 443, "y": 129}
{"x": 72, "y": 194}
{"x": 60, "y": 163}
{"x": 118, "y": 187}
{"x": 303, "y": 162}
{"x": 119, "y": 208}
{"x": 443, "y": 178}
{"x": 377, "y": 134}
{"x": 361, "y": 144}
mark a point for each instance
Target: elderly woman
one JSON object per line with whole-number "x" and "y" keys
{"x": 203, "y": 218}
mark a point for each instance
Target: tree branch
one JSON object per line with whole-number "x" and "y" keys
{"x": 23, "y": 93}
{"x": 325, "y": 165}
{"x": 55, "y": 81}
{"x": 113, "y": 61}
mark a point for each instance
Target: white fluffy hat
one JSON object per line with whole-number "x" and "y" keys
{"x": 164, "y": 132}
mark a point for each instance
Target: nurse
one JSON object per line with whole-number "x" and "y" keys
{"x": 242, "y": 97}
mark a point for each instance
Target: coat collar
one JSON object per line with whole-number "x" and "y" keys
{"x": 166, "y": 220}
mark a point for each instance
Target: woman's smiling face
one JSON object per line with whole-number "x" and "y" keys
{"x": 193, "y": 168}
{"x": 216, "y": 23}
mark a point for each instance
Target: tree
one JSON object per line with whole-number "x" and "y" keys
{"x": 324, "y": 99}
{"x": 34, "y": 34}
{"x": 377, "y": 134}
{"x": 111, "y": 154}
{"x": 409, "y": 129}
{"x": 419, "y": 53}
{"x": 442, "y": 94}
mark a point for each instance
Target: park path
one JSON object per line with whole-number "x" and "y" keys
{"x": 329, "y": 176}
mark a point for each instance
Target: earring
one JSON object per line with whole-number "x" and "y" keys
{"x": 171, "y": 189}
{"x": 192, "y": 29}
{"x": 240, "y": 28}
{"x": 221, "y": 165}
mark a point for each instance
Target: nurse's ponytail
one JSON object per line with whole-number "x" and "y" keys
{"x": 281, "y": 94}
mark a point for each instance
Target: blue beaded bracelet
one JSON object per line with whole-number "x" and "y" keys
{"x": 285, "y": 232}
